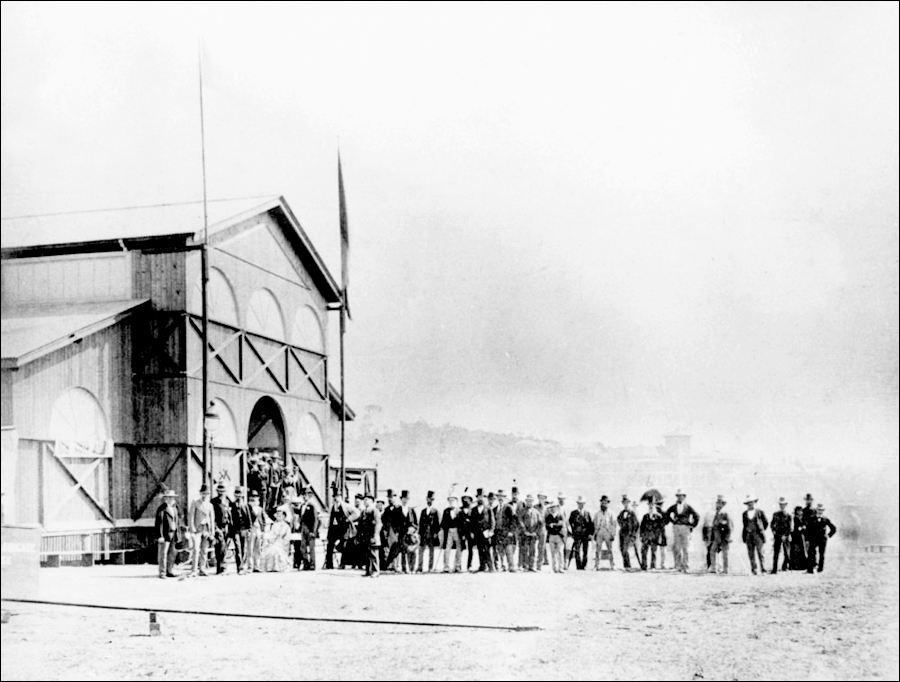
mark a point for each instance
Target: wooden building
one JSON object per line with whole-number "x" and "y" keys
{"x": 102, "y": 358}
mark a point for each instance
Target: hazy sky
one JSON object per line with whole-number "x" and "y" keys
{"x": 589, "y": 223}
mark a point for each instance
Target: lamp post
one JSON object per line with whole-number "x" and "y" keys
{"x": 211, "y": 423}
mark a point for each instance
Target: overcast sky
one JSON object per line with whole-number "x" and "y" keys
{"x": 588, "y": 223}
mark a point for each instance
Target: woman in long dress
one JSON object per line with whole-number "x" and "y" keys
{"x": 275, "y": 551}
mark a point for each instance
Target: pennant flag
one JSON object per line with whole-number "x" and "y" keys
{"x": 345, "y": 237}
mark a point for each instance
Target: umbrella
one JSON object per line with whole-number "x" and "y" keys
{"x": 652, "y": 495}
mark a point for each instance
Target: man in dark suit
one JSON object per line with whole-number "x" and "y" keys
{"x": 241, "y": 524}
{"x": 582, "y": 529}
{"x": 166, "y": 530}
{"x": 224, "y": 525}
{"x": 628, "y": 532}
{"x": 754, "y": 533}
{"x": 429, "y": 532}
{"x": 532, "y": 520}
{"x": 338, "y": 523}
{"x": 404, "y": 520}
{"x": 508, "y": 529}
{"x": 309, "y": 529}
{"x": 369, "y": 535}
{"x": 483, "y": 530}
{"x": 819, "y": 530}
{"x": 782, "y": 524}
{"x": 451, "y": 521}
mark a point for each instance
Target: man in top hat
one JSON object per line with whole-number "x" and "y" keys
{"x": 508, "y": 528}
{"x": 720, "y": 530}
{"x": 604, "y": 533}
{"x": 498, "y": 556}
{"x": 369, "y": 535}
{"x": 809, "y": 510}
{"x": 387, "y": 521}
{"x": 683, "y": 519}
{"x": 276, "y": 477}
{"x": 224, "y": 525}
{"x": 338, "y": 523}
{"x": 541, "y": 554}
{"x": 296, "y": 541}
{"x": 166, "y": 531}
{"x": 483, "y": 530}
{"x": 653, "y": 525}
{"x": 782, "y": 524}
{"x": 309, "y": 530}
{"x": 429, "y": 532}
{"x": 555, "y": 524}
{"x": 258, "y": 523}
{"x": 201, "y": 525}
{"x": 582, "y": 529}
{"x": 242, "y": 523}
{"x": 819, "y": 530}
{"x": 451, "y": 521}
{"x": 404, "y": 520}
{"x": 628, "y": 524}
{"x": 466, "y": 529}
{"x": 798, "y": 541}
{"x": 531, "y": 522}
{"x": 754, "y": 533}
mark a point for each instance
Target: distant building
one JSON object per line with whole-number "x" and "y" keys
{"x": 102, "y": 356}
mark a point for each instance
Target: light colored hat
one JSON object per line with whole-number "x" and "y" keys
{"x": 750, "y": 498}
{"x": 781, "y": 500}
{"x": 501, "y": 493}
{"x": 561, "y": 496}
{"x": 680, "y": 492}
{"x": 580, "y": 499}
{"x": 820, "y": 507}
{"x": 552, "y": 505}
{"x": 529, "y": 497}
{"x": 169, "y": 493}
{"x": 625, "y": 499}
{"x": 540, "y": 495}
{"x": 721, "y": 498}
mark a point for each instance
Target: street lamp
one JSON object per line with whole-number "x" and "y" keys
{"x": 211, "y": 423}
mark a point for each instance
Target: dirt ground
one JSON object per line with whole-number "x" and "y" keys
{"x": 842, "y": 624}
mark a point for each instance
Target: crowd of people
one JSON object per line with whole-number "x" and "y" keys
{"x": 493, "y": 532}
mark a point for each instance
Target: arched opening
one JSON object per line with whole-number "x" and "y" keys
{"x": 266, "y": 428}
{"x": 309, "y": 438}
{"x": 308, "y": 332}
{"x": 79, "y": 425}
{"x": 264, "y": 315}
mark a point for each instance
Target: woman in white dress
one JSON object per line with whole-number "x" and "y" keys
{"x": 275, "y": 551}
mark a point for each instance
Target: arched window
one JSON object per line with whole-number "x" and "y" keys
{"x": 79, "y": 425}
{"x": 309, "y": 439}
{"x": 222, "y": 301}
{"x": 264, "y": 315}
{"x": 308, "y": 332}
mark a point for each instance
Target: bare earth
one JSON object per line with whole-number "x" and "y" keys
{"x": 842, "y": 624}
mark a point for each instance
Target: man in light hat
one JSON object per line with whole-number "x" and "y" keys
{"x": 508, "y": 531}
{"x": 754, "y": 533}
{"x": 452, "y": 541}
{"x": 582, "y": 529}
{"x": 258, "y": 523}
{"x": 555, "y": 524}
{"x": 166, "y": 530}
{"x": 404, "y": 520}
{"x": 567, "y": 531}
{"x": 531, "y": 521}
{"x": 782, "y": 525}
{"x": 683, "y": 519}
{"x": 429, "y": 532}
{"x": 628, "y": 533}
{"x": 498, "y": 556}
{"x": 380, "y": 506}
{"x": 242, "y": 523}
{"x": 201, "y": 524}
{"x": 309, "y": 530}
{"x": 296, "y": 535}
{"x": 818, "y": 532}
{"x": 604, "y": 534}
{"x": 720, "y": 536}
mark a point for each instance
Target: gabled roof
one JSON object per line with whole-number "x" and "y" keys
{"x": 31, "y": 333}
{"x": 171, "y": 226}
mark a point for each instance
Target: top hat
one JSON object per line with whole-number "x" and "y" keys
{"x": 390, "y": 493}
{"x": 514, "y": 490}
{"x": 479, "y": 492}
{"x": 404, "y": 495}
{"x": 809, "y": 497}
{"x": 204, "y": 488}
{"x": 491, "y": 495}
{"x": 430, "y": 495}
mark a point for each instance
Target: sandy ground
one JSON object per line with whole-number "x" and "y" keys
{"x": 842, "y": 624}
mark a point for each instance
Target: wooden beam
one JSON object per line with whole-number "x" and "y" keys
{"x": 265, "y": 366}
{"x": 79, "y": 485}
{"x": 146, "y": 503}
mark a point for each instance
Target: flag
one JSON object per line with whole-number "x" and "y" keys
{"x": 345, "y": 237}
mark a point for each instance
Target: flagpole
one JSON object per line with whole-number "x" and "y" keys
{"x": 343, "y": 398}
{"x": 204, "y": 286}
{"x": 345, "y": 243}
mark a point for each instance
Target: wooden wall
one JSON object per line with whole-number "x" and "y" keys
{"x": 80, "y": 278}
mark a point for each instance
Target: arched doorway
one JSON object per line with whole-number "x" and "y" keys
{"x": 266, "y": 428}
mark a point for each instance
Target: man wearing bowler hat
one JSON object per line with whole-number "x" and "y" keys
{"x": 369, "y": 535}
{"x": 224, "y": 525}
{"x": 242, "y": 522}
{"x": 782, "y": 524}
{"x": 720, "y": 536}
{"x": 450, "y": 523}
{"x": 531, "y": 522}
{"x": 166, "y": 528}
{"x": 683, "y": 519}
{"x": 429, "y": 532}
{"x": 201, "y": 523}
{"x": 628, "y": 524}
{"x": 819, "y": 530}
